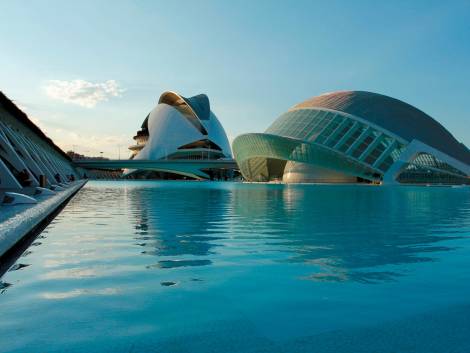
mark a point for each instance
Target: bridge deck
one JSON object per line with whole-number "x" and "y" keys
{"x": 155, "y": 164}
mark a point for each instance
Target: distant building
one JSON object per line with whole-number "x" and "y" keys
{"x": 353, "y": 136}
{"x": 77, "y": 156}
{"x": 180, "y": 128}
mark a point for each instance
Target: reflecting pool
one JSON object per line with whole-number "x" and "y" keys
{"x": 227, "y": 267}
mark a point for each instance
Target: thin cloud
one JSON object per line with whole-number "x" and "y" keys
{"x": 91, "y": 145}
{"x": 67, "y": 138}
{"x": 84, "y": 93}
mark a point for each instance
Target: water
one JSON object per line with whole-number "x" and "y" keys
{"x": 224, "y": 267}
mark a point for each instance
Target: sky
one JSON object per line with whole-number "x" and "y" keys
{"x": 88, "y": 72}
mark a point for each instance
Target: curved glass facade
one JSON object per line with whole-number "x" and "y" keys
{"x": 370, "y": 150}
{"x": 341, "y": 133}
{"x": 262, "y": 157}
{"x": 427, "y": 169}
{"x": 339, "y": 142}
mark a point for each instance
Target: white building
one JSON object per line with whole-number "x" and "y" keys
{"x": 179, "y": 128}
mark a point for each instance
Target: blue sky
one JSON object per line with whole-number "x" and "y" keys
{"x": 254, "y": 59}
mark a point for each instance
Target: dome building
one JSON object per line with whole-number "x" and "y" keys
{"x": 179, "y": 128}
{"x": 353, "y": 136}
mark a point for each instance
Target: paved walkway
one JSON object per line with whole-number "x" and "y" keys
{"x": 18, "y": 220}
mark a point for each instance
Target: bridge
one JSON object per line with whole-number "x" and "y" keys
{"x": 189, "y": 167}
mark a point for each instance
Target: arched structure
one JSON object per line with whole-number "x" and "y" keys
{"x": 180, "y": 128}
{"x": 28, "y": 158}
{"x": 352, "y": 136}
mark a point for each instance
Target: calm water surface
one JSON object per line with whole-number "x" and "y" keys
{"x": 224, "y": 267}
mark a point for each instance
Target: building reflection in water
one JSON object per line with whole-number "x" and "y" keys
{"x": 352, "y": 233}
{"x": 355, "y": 233}
{"x": 179, "y": 224}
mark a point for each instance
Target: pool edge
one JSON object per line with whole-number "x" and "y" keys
{"x": 19, "y": 230}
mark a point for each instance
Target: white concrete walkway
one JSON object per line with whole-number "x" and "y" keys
{"x": 18, "y": 220}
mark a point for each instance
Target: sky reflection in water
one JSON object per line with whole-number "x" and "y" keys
{"x": 175, "y": 266}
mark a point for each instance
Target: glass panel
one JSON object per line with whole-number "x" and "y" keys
{"x": 426, "y": 161}
{"x": 330, "y": 128}
{"x": 391, "y": 158}
{"x": 333, "y": 141}
{"x": 422, "y": 175}
{"x": 364, "y": 144}
{"x": 319, "y": 128}
{"x": 352, "y": 138}
{"x": 303, "y": 124}
{"x": 378, "y": 150}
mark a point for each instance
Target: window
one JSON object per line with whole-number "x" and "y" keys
{"x": 330, "y": 128}
{"x": 303, "y": 124}
{"x": 378, "y": 150}
{"x": 428, "y": 160}
{"x": 364, "y": 144}
{"x": 391, "y": 158}
{"x": 339, "y": 135}
{"x": 415, "y": 174}
{"x": 357, "y": 132}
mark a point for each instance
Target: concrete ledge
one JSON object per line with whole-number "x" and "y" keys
{"x": 16, "y": 221}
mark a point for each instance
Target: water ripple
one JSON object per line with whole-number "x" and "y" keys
{"x": 281, "y": 260}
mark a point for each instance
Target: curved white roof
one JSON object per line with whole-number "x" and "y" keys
{"x": 178, "y": 121}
